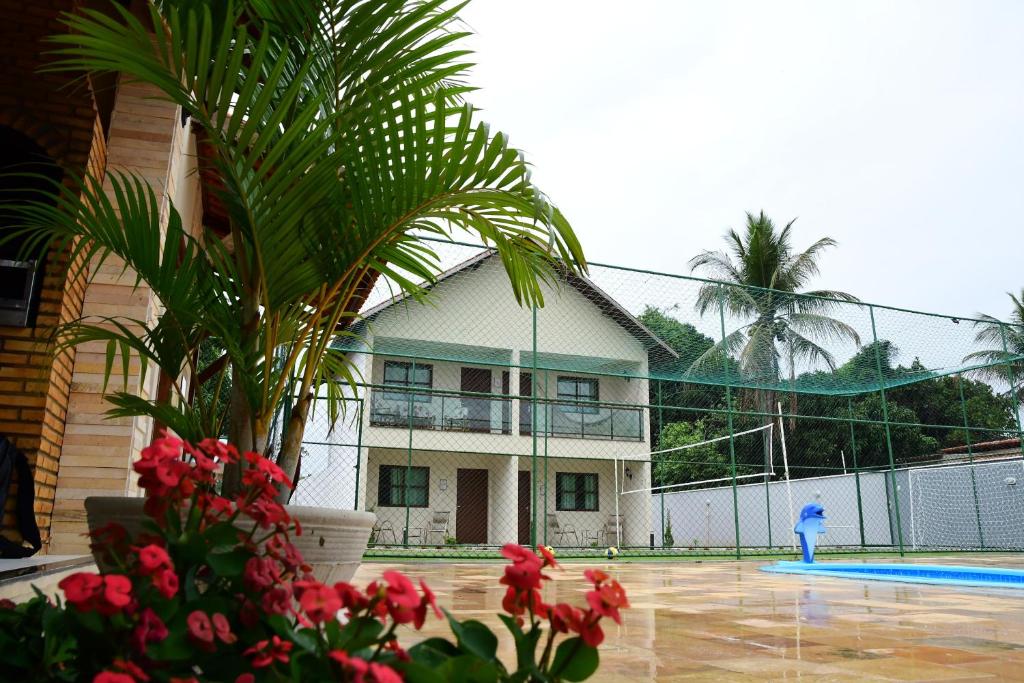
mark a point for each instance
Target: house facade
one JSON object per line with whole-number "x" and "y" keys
{"x": 463, "y": 428}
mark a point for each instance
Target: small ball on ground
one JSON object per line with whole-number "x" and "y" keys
{"x": 611, "y": 553}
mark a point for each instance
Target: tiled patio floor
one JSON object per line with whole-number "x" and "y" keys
{"x": 728, "y": 621}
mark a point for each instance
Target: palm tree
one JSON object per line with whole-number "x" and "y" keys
{"x": 1003, "y": 361}
{"x": 335, "y": 137}
{"x": 786, "y": 326}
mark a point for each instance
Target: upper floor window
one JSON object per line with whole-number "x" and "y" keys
{"x": 576, "y": 389}
{"x": 416, "y": 376}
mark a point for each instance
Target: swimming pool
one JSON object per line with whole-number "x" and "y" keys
{"x": 907, "y": 573}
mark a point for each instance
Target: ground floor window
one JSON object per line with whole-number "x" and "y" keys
{"x": 399, "y": 486}
{"x": 575, "y": 491}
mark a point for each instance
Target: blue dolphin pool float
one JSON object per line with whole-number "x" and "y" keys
{"x": 812, "y": 523}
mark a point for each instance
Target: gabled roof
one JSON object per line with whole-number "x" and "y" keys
{"x": 607, "y": 305}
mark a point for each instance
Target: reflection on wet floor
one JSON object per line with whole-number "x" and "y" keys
{"x": 730, "y": 621}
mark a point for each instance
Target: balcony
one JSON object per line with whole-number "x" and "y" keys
{"x": 457, "y": 412}
{"x": 582, "y": 420}
{"x": 447, "y": 412}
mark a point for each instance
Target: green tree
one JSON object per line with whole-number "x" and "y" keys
{"x": 1003, "y": 360}
{"x": 690, "y": 344}
{"x": 691, "y": 464}
{"x": 782, "y": 328}
{"x": 336, "y": 136}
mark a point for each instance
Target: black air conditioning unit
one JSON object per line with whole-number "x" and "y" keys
{"x": 20, "y": 283}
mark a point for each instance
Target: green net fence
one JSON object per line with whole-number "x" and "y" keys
{"x": 662, "y": 414}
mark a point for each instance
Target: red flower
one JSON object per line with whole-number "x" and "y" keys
{"x": 285, "y": 553}
{"x": 266, "y": 651}
{"x": 7, "y": 604}
{"x": 150, "y": 629}
{"x": 81, "y": 588}
{"x": 591, "y": 633}
{"x": 222, "y": 628}
{"x": 549, "y": 557}
{"x": 565, "y": 618}
{"x": 166, "y": 583}
{"x": 595, "y": 576}
{"x": 352, "y": 599}
{"x": 384, "y": 674}
{"x": 354, "y": 666}
{"x": 606, "y": 601}
{"x": 319, "y": 602}
{"x": 277, "y": 601}
{"x": 200, "y": 628}
{"x": 429, "y": 600}
{"x": 400, "y": 590}
{"x": 131, "y": 669}
{"x": 153, "y": 558}
{"x": 245, "y": 678}
{"x": 112, "y": 677}
{"x": 261, "y": 573}
{"x": 117, "y": 592}
{"x": 524, "y": 572}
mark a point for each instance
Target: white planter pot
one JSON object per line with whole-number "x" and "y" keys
{"x": 332, "y": 541}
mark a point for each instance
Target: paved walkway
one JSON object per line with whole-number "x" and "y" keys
{"x": 728, "y": 621}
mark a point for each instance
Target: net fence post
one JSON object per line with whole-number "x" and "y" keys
{"x": 856, "y": 469}
{"x": 533, "y": 430}
{"x": 545, "y": 490}
{"x": 408, "y": 458}
{"x": 767, "y": 484}
{"x": 888, "y": 432}
{"x": 728, "y": 406}
{"x": 657, "y": 445}
{"x": 359, "y": 450}
{"x": 1013, "y": 388}
{"x": 970, "y": 459}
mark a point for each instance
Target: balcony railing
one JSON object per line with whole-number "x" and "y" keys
{"x": 457, "y": 412}
{"x": 440, "y": 411}
{"x": 582, "y": 420}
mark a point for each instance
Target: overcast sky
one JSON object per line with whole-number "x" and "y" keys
{"x": 896, "y": 128}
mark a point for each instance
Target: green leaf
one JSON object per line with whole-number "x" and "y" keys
{"x": 419, "y": 672}
{"x": 433, "y": 652}
{"x": 475, "y": 638}
{"x": 230, "y": 564}
{"x": 469, "y": 668}
{"x": 306, "y": 639}
{"x": 222, "y": 534}
{"x": 574, "y": 661}
{"x": 174, "y": 647}
{"x": 359, "y": 633}
{"x": 526, "y": 643}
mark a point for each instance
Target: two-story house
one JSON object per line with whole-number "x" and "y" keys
{"x": 451, "y": 422}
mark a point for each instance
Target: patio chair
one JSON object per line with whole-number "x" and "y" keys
{"x": 613, "y": 530}
{"x": 382, "y": 528}
{"x": 436, "y": 527}
{"x": 559, "y": 531}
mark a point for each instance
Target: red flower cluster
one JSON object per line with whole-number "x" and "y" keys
{"x": 91, "y": 592}
{"x": 524, "y": 578}
{"x": 156, "y": 563}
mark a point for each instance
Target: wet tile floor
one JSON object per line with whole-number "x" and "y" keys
{"x": 728, "y": 621}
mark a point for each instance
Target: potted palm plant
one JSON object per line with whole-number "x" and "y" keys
{"x": 332, "y": 138}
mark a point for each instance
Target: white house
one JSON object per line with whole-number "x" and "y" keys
{"x": 439, "y": 463}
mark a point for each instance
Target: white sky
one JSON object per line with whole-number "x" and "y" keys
{"x": 895, "y": 127}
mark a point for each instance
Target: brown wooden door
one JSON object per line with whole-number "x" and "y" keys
{"x": 478, "y": 410}
{"x": 471, "y": 499}
{"x": 525, "y": 499}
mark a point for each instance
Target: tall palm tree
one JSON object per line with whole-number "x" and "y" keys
{"x": 784, "y": 329}
{"x": 335, "y": 136}
{"x": 1004, "y": 359}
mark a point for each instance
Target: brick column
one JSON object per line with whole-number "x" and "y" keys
{"x": 146, "y": 138}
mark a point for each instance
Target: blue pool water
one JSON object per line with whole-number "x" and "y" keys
{"x": 908, "y": 573}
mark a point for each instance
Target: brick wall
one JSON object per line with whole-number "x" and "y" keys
{"x": 34, "y": 383}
